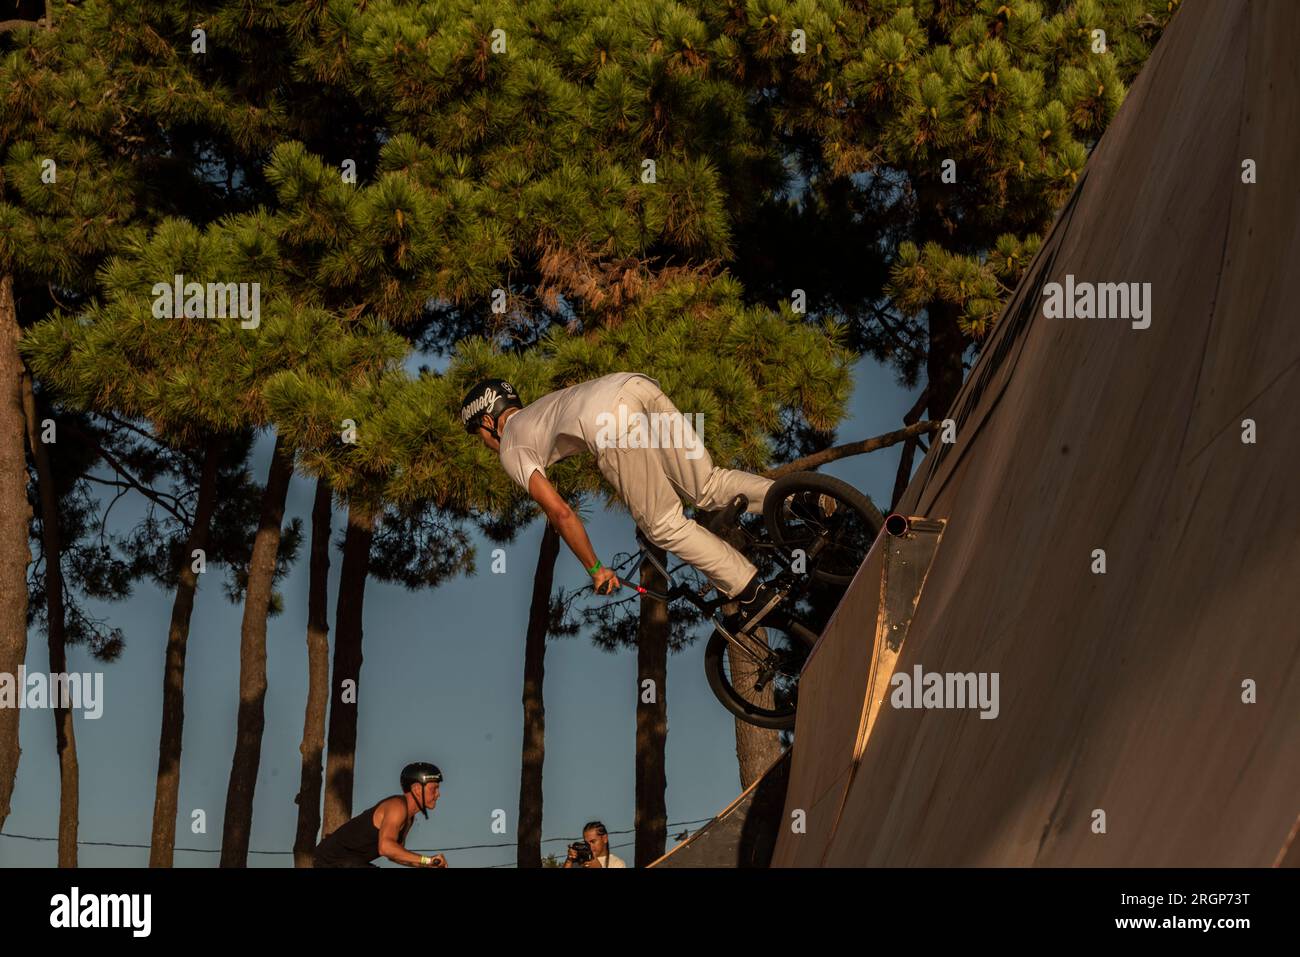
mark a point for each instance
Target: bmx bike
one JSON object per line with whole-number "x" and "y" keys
{"x": 814, "y": 528}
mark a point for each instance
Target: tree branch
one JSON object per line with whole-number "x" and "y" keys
{"x": 103, "y": 525}
{"x": 915, "y": 411}
{"x": 147, "y": 491}
{"x": 879, "y": 315}
{"x": 7, "y": 25}
{"x": 148, "y": 436}
{"x": 837, "y": 452}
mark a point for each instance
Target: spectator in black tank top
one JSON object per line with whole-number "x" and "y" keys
{"x": 381, "y": 830}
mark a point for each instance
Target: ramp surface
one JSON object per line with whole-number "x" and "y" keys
{"x": 1125, "y": 697}
{"x": 744, "y": 832}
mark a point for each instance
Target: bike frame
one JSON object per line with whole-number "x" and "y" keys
{"x": 787, "y": 581}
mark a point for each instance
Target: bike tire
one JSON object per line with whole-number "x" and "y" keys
{"x": 861, "y": 514}
{"x": 779, "y": 718}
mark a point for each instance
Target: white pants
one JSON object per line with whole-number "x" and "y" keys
{"x": 653, "y": 481}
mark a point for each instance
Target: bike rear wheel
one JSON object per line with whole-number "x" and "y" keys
{"x": 835, "y": 544}
{"x": 735, "y": 677}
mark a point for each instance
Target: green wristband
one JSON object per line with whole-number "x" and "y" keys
{"x": 595, "y": 568}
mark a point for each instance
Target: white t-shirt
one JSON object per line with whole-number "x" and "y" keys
{"x": 611, "y": 860}
{"x": 558, "y": 425}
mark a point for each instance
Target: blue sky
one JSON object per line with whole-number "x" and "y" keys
{"x": 441, "y": 682}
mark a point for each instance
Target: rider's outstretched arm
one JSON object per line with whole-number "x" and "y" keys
{"x": 565, "y": 520}
{"x": 570, "y": 528}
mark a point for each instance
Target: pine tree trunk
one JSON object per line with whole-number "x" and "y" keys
{"x": 947, "y": 344}
{"x": 318, "y": 677}
{"x": 167, "y": 790}
{"x": 943, "y": 360}
{"x": 64, "y": 737}
{"x": 756, "y": 748}
{"x": 15, "y": 515}
{"x": 341, "y": 761}
{"x": 534, "y": 747}
{"x": 252, "y": 662}
{"x": 652, "y": 717}
{"x": 904, "y": 476}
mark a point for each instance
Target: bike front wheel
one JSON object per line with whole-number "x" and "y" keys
{"x": 762, "y": 693}
{"x": 834, "y": 543}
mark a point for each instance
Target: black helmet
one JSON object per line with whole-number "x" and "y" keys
{"x": 421, "y": 772}
{"x": 489, "y": 397}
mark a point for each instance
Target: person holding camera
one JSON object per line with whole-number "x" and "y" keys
{"x": 593, "y": 850}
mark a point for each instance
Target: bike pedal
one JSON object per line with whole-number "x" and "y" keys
{"x": 757, "y": 619}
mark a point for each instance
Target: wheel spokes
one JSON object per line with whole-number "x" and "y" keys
{"x": 769, "y": 685}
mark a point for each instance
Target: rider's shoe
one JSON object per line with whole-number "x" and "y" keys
{"x": 811, "y": 506}
{"x": 755, "y": 608}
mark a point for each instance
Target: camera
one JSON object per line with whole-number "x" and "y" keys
{"x": 582, "y": 853}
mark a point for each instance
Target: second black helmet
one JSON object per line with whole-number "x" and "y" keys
{"x": 488, "y": 397}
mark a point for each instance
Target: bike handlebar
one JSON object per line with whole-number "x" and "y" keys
{"x": 640, "y": 590}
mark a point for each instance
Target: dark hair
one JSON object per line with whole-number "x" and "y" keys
{"x": 597, "y": 826}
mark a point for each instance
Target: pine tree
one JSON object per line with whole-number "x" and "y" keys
{"x": 198, "y": 379}
{"x": 318, "y": 678}
{"x": 67, "y": 197}
{"x": 559, "y": 125}
{"x": 529, "y": 850}
{"x": 553, "y": 128}
{"x": 371, "y": 251}
{"x": 932, "y": 144}
{"x": 385, "y": 459}
{"x": 105, "y": 128}
{"x": 222, "y": 86}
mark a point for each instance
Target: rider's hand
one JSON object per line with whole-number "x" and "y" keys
{"x": 438, "y": 861}
{"x": 605, "y": 581}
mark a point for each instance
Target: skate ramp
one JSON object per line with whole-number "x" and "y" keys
{"x": 1121, "y": 735}
{"x": 744, "y": 832}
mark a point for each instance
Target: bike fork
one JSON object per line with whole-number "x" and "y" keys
{"x": 745, "y": 642}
